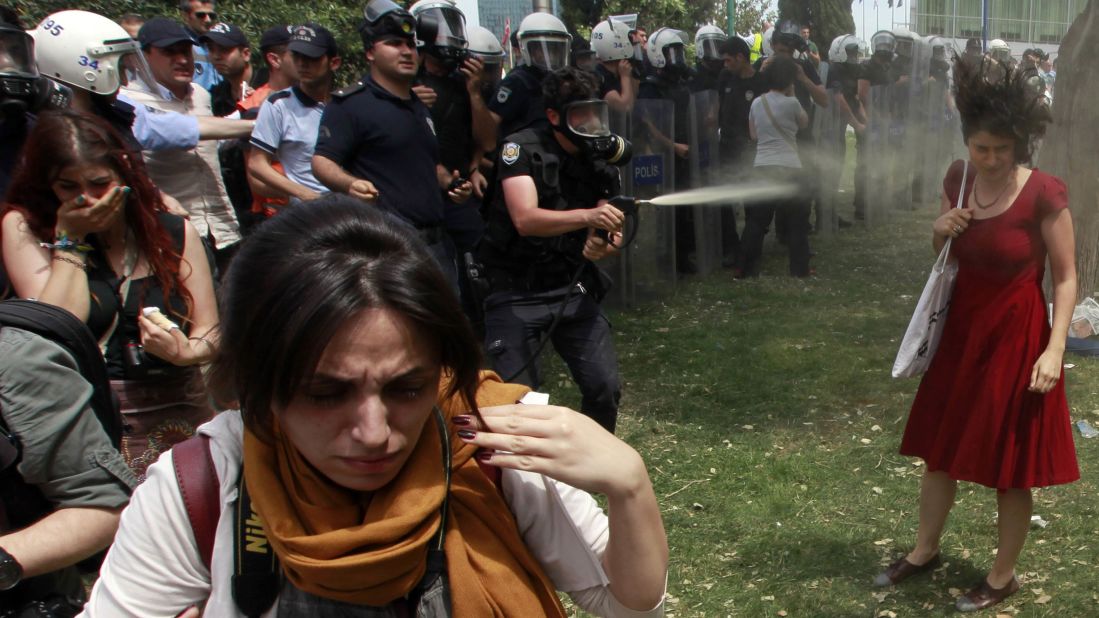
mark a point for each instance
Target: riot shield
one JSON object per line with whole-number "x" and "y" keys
{"x": 876, "y": 155}
{"x": 918, "y": 139}
{"x": 830, "y": 150}
{"x": 939, "y": 135}
{"x": 617, "y": 265}
{"x": 703, "y": 158}
{"x": 650, "y": 263}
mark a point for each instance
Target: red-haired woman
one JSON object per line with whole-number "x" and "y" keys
{"x": 85, "y": 229}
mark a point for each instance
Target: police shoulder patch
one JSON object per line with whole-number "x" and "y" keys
{"x": 348, "y": 91}
{"x": 509, "y": 153}
{"x": 503, "y": 94}
{"x": 749, "y": 95}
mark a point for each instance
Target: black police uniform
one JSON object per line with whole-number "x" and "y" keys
{"x": 662, "y": 85}
{"x": 518, "y": 100}
{"x": 735, "y": 95}
{"x": 530, "y": 276}
{"x": 377, "y": 136}
{"x": 609, "y": 81}
{"x": 704, "y": 78}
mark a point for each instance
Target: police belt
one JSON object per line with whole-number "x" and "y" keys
{"x": 533, "y": 280}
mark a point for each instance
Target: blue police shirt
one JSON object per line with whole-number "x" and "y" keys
{"x": 390, "y": 141}
{"x": 205, "y": 73}
{"x": 160, "y": 130}
{"x": 287, "y": 128}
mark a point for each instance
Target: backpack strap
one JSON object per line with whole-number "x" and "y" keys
{"x": 201, "y": 491}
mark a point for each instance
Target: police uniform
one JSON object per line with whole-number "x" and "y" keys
{"x": 529, "y": 276}
{"x": 377, "y": 136}
{"x": 609, "y": 81}
{"x": 704, "y": 79}
{"x": 286, "y": 128}
{"x": 876, "y": 73}
{"x": 518, "y": 100}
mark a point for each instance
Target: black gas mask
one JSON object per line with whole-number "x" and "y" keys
{"x": 22, "y": 89}
{"x": 587, "y": 125}
{"x": 442, "y": 33}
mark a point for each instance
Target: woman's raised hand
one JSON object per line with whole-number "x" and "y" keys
{"x": 78, "y": 217}
{"x": 557, "y": 442}
{"x": 952, "y": 224}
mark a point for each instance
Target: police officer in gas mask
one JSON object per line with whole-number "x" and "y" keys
{"x": 667, "y": 54}
{"x": 547, "y": 224}
{"x": 23, "y": 92}
{"x": 708, "y": 61}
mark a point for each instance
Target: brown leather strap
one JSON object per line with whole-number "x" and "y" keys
{"x": 201, "y": 491}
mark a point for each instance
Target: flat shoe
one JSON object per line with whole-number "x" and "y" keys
{"x": 983, "y": 595}
{"x": 901, "y": 569}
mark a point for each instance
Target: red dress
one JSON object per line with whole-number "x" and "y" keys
{"x": 973, "y": 416}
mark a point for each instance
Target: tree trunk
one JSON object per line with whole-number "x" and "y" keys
{"x": 1068, "y": 149}
{"x": 828, "y": 18}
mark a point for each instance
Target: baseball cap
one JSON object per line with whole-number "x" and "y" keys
{"x": 275, "y": 35}
{"x": 226, "y": 35}
{"x": 313, "y": 41}
{"x": 162, "y": 32}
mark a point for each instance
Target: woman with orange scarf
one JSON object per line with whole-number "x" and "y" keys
{"x": 392, "y": 477}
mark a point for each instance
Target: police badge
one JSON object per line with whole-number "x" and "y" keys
{"x": 503, "y": 94}
{"x": 509, "y": 153}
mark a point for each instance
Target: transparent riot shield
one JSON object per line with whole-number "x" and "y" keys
{"x": 876, "y": 161}
{"x": 650, "y": 261}
{"x": 830, "y": 149}
{"x": 917, "y": 137}
{"x": 938, "y": 137}
{"x": 617, "y": 265}
{"x": 703, "y": 158}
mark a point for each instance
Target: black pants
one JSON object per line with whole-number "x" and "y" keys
{"x": 514, "y": 324}
{"x": 791, "y": 213}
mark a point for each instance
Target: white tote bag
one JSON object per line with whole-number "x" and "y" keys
{"x": 926, "y": 328}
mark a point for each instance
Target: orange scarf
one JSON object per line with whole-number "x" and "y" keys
{"x": 371, "y": 549}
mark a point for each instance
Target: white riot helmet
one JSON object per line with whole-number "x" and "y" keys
{"x": 707, "y": 41}
{"x": 484, "y": 45}
{"x": 906, "y": 42}
{"x": 88, "y": 51}
{"x": 440, "y": 29}
{"x": 544, "y": 41}
{"x": 940, "y": 49}
{"x": 667, "y": 47}
{"x": 610, "y": 39}
{"x": 846, "y": 48}
{"x": 1000, "y": 50}
{"x": 883, "y": 42}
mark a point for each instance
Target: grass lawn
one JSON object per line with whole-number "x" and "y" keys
{"x": 770, "y": 424}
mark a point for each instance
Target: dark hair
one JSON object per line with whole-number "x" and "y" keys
{"x": 734, "y": 46}
{"x": 999, "y": 101}
{"x": 64, "y": 138}
{"x": 780, "y": 72}
{"x": 185, "y": 5}
{"x": 566, "y": 85}
{"x": 302, "y": 275}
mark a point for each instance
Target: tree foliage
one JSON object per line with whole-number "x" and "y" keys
{"x": 581, "y": 15}
{"x": 828, "y": 18}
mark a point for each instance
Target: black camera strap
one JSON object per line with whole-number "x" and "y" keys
{"x": 122, "y": 290}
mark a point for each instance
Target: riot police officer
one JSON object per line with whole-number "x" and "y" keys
{"x": 708, "y": 61}
{"x": 667, "y": 55}
{"x": 551, "y": 196}
{"x": 544, "y": 47}
{"x": 618, "y": 70}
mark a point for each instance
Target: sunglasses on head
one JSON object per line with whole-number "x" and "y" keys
{"x": 204, "y": 15}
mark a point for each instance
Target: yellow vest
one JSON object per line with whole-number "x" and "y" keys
{"x": 757, "y": 46}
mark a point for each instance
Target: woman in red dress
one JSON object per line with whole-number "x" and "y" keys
{"x": 991, "y": 408}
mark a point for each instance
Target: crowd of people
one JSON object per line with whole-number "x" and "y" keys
{"x": 286, "y": 280}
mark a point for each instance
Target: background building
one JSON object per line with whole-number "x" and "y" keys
{"x": 1022, "y": 23}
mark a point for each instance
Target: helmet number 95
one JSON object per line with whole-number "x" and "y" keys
{"x": 53, "y": 27}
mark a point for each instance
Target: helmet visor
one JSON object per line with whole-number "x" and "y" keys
{"x": 884, "y": 42}
{"x": 708, "y": 49}
{"x": 549, "y": 53}
{"x": 904, "y": 48}
{"x": 134, "y": 72}
{"x": 376, "y": 9}
{"x": 17, "y": 53}
{"x": 589, "y": 118}
{"x": 676, "y": 55}
{"x": 450, "y": 27}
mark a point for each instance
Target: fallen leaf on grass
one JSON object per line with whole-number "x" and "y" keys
{"x": 1042, "y": 600}
{"x": 769, "y": 597}
{"x": 865, "y": 440}
{"x": 885, "y": 613}
{"x": 877, "y": 490}
{"x": 876, "y": 428}
{"x": 881, "y": 596}
{"x": 883, "y": 542}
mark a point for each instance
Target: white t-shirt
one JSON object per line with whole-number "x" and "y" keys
{"x": 773, "y": 145}
{"x": 153, "y": 570}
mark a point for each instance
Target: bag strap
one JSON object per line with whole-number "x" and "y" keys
{"x": 201, "y": 491}
{"x": 945, "y": 254}
{"x": 255, "y": 582}
{"x": 781, "y": 131}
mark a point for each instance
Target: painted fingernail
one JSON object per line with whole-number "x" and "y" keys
{"x": 466, "y": 434}
{"x": 80, "y": 199}
{"x": 484, "y": 455}
{"x": 461, "y": 419}
{"x": 126, "y": 190}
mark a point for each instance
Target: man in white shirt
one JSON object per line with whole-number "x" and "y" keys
{"x": 192, "y": 176}
{"x": 288, "y": 122}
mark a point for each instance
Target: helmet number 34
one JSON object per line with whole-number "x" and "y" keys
{"x": 88, "y": 62}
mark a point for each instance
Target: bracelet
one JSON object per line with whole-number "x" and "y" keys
{"x": 209, "y": 345}
{"x": 76, "y": 263}
{"x": 63, "y": 242}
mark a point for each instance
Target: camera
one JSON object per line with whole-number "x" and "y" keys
{"x": 133, "y": 354}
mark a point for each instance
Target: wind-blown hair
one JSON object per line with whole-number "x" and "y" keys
{"x": 302, "y": 276}
{"x": 999, "y": 101}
